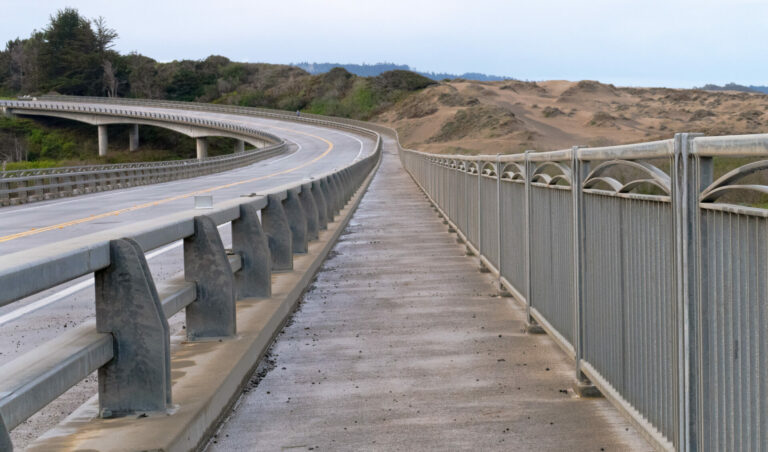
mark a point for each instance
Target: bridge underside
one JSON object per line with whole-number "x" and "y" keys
{"x": 104, "y": 120}
{"x": 402, "y": 344}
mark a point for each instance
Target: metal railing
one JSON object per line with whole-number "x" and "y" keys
{"x": 640, "y": 266}
{"x": 21, "y": 186}
{"x": 128, "y": 343}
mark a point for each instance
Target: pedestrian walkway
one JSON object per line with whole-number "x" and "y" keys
{"x": 403, "y": 344}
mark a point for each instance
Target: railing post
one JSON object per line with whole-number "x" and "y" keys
{"x": 322, "y": 207}
{"x": 691, "y": 175}
{"x": 138, "y": 378}
{"x": 579, "y": 171}
{"x": 479, "y": 209}
{"x": 528, "y": 207}
{"x": 500, "y": 222}
{"x": 278, "y": 231}
{"x": 297, "y": 221}
{"x": 212, "y": 314}
{"x": 310, "y": 211}
{"x": 249, "y": 240}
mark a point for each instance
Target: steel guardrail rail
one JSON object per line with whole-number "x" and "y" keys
{"x": 129, "y": 341}
{"x": 637, "y": 263}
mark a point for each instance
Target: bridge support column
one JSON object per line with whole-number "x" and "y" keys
{"x": 133, "y": 137}
{"x": 239, "y": 146}
{"x": 212, "y": 314}
{"x": 138, "y": 378}
{"x": 250, "y": 241}
{"x": 103, "y": 141}
{"x": 202, "y": 148}
{"x": 275, "y": 224}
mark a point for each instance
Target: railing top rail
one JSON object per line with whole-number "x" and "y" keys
{"x": 652, "y": 149}
{"x": 731, "y": 146}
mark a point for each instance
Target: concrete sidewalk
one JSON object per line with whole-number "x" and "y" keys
{"x": 402, "y": 344}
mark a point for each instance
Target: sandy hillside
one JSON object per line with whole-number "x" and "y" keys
{"x": 491, "y": 117}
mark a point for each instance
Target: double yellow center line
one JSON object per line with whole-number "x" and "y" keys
{"x": 167, "y": 200}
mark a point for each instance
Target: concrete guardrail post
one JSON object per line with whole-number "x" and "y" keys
{"x": 138, "y": 378}
{"x": 5, "y": 438}
{"x": 275, "y": 224}
{"x": 328, "y": 194}
{"x": 310, "y": 211}
{"x": 322, "y": 207}
{"x": 339, "y": 192}
{"x": 249, "y": 240}
{"x": 212, "y": 314}
{"x": 297, "y": 220}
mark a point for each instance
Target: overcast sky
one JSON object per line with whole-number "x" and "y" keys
{"x": 676, "y": 43}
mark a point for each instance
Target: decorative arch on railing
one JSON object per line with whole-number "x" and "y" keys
{"x": 473, "y": 168}
{"x": 543, "y": 178}
{"x": 725, "y": 184}
{"x": 454, "y": 164}
{"x": 513, "y": 171}
{"x": 655, "y": 177}
{"x": 489, "y": 169}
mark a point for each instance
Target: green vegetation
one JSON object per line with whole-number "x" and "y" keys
{"x": 73, "y": 55}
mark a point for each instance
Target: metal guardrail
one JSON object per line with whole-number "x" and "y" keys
{"x": 20, "y": 186}
{"x": 129, "y": 341}
{"x": 632, "y": 258}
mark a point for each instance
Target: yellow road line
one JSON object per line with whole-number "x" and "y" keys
{"x": 166, "y": 200}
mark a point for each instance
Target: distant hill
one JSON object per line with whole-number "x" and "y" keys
{"x": 736, "y": 87}
{"x": 373, "y": 70}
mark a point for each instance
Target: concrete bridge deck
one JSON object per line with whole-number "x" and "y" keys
{"x": 402, "y": 344}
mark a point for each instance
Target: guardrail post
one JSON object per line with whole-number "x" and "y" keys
{"x": 249, "y": 240}
{"x": 212, "y": 314}
{"x": 322, "y": 207}
{"x": 338, "y": 195}
{"x": 310, "y": 211}
{"x": 331, "y": 197}
{"x": 5, "y": 438}
{"x": 138, "y": 378}
{"x": 297, "y": 221}
{"x": 690, "y": 175}
{"x": 278, "y": 231}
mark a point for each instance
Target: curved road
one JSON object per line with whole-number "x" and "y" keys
{"x": 29, "y": 323}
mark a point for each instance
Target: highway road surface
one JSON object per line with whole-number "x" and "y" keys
{"x": 31, "y": 322}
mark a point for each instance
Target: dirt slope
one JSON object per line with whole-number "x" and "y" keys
{"x": 506, "y": 117}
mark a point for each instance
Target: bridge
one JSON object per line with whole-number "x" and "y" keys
{"x": 351, "y": 294}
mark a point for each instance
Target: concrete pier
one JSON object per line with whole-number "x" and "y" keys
{"x": 239, "y": 146}
{"x": 133, "y": 137}
{"x": 103, "y": 141}
{"x": 202, "y": 148}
